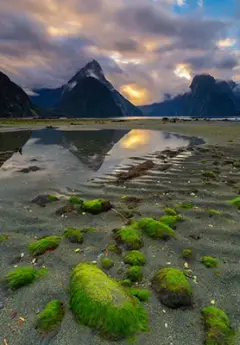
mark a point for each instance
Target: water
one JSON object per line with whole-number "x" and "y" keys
{"x": 67, "y": 159}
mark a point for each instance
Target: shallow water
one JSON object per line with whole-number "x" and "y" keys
{"x": 70, "y": 158}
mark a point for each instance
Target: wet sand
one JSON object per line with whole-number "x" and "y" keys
{"x": 183, "y": 181}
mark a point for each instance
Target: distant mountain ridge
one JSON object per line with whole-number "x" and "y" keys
{"x": 87, "y": 94}
{"x": 207, "y": 98}
{"x": 14, "y": 102}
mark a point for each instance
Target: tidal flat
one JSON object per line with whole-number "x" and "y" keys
{"x": 189, "y": 187}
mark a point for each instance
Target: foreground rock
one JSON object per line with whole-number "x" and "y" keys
{"x": 44, "y": 244}
{"x": 96, "y": 206}
{"x": 50, "y": 317}
{"x": 135, "y": 171}
{"x": 43, "y": 200}
{"x": 101, "y": 303}
{"x": 172, "y": 288}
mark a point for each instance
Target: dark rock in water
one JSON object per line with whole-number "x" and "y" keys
{"x": 43, "y": 200}
{"x": 68, "y": 209}
{"x": 135, "y": 171}
{"x": 30, "y": 169}
{"x": 33, "y": 160}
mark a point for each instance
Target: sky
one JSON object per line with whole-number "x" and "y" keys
{"x": 147, "y": 48}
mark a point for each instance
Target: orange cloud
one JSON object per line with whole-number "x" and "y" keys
{"x": 136, "y": 94}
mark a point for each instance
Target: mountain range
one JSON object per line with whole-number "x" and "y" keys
{"x": 207, "y": 98}
{"x": 87, "y": 94}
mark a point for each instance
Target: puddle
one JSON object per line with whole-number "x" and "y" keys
{"x": 68, "y": 158}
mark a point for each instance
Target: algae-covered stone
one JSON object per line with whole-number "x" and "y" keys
{"x": 209, "y": 261}
{"x": 187, "y": 254}
{"x": 170, "y": 220}
{"x": 172, "y": 288}
{"x": 53, "y": 197}
{"x": 75, "y": 200}
{"x": 41, "y": 246}
{"x": 142, "y": 294}
{"x": 100, "y": 302}
{"x": 51, "y": 317}
{"x": 73, "y": 235}
{"x": 107, "y": 263}
{"x": 217, "y": 326}
{"x": 155, "y": 229}
{"x": 135, "y": 258}
{"x": 96, "y": 206}
{"x": 236, "y": 202}
{"x": 3, "y": 238}
{"x": 130, "y": 236}
{"x": 209, "y": 174}
{"x": 135, "y": 273}
{"x": 170, "y": 211}
{"x": 126, "y": 282}
{"x": 22, "y": 276}
{"x": 114, "y": 249}
{"x": 187, "y": 205}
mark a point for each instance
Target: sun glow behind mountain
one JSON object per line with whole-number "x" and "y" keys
{"x": 182, "y": 71}
{"x": 136, "y": 94}
{"x": 136, "y": 138}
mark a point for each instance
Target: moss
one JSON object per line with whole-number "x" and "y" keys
{"x": 217, "y": 326}
{"x": 134, "y": 258}
{"x": 209, "y": 174}
{"x": 73, "y": 235}
{"x": 142, "y": 294}
{"x": 209, "y": 261}
{"x": 126, "y": 282}
{"x": 51, "y": 316}
{"x": 170, "y": 220}
{"x": 75, "y": 200}
{"x": 236, "y": 202}
{"x": 41, "y": 246}
{"x": 130, "y": 236}
{"x": 52, "y": 197}
{"x": 187, "y": 254}
{"x": 114, "y": 249}
{"x": 170, "y": 211}
{"x": 135, "y": 273}
{"x": 87, "y": 229}
{"x": 213, "y": 212}
{"x": 3, "y": 238}
{"x": 236, "y": 164}
{"x": 96, "y": 206}
{"x": 102, "y": 303}
{"x": 107, "y": 263}
{"x": 22, "y": 276}
{"x": 155, "y": 229}
{"x": 187, "y": 205}
{"x": 172, "y": 287}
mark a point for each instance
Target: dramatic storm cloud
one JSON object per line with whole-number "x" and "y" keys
{"x": 147, "y": 48}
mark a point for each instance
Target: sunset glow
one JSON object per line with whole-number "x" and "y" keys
{"x": 135, "y": 139}
{"x": 135, "y": 94}
{"x": 182, "y": 71}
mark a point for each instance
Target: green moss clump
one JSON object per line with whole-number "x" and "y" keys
{"x": 126, "y": 282}
{"x": 209, "y": 261}
{"x": 87, "y": 229}
{"x": 52, "y": 197}
{"x": 142, "y": 294}
{"x": 187, "y": 254}
{"x": 209, "y": 174}
{"x": 170, "y": 211}
{"x": 114, "y": 249}
{"x": 213, "y": 212}
{"x": 3, "y": 238}
{"x": 107, "y": 263}
{"x": 187, "y": 205}
{"x": 134, "y": 258}
{"x": 96, "y": 206}
{"x": 170, "y": 220}
{"x": 172, "y": 287}
{"x": 155, "y": 229}
{"x": 102, "y": 303}
{"x": 236, "y": 202}
{"x": 135, "y": 273}
{"x": 75, "y": 200}
{"x": 41, "y": 246}
{"x": 73, "y": 235}
{"x": 51, "y": 316}
{"x": 217, "y": 326}
{"x": 22, "y": 276}
{"x": 236, "y": 164}
{"x": 130, "y": 236}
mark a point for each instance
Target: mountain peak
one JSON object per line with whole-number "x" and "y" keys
{"x": 91, "y": 69}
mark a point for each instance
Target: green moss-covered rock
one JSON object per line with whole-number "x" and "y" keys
{"x": 236, "y": 202}
{"x": 172, "y": 288}
{"x": 135, "y": 273}
{"x": 155, "y": 229}
{"x": 96, "y": 206}
{"x": 41, "y": 246}
{"x": 142, "y": 294}
{"x": 170, "y": 211}
{"x": 187, "y": 205}
{"x": 209, "y": 261}
{"x": 107, "y": 263}
{"x": 75, "y": 200}
{"x": 3, "y": 238}
{"x": 213, "y": 212}
{"x": 217, "y": 326}
{"x": 51, "y": 317}
{"x": 170, "y": 220}
{"x": 52, "y": 197}
{"x": 209, "y": 174}
{"x": 22, "y": 276}
{"x": 187, "y": 254}
{"x": 100, "y": 302}
{"x": 114, "y": 249}
{"x": 134, "y": 258}
{"x": 130, "y": 236}
{"x": 236, "y": 164}
{"x": 73, "y": 235}
{"x": 87, "y": 229}
{"x": 126, "y": 282}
